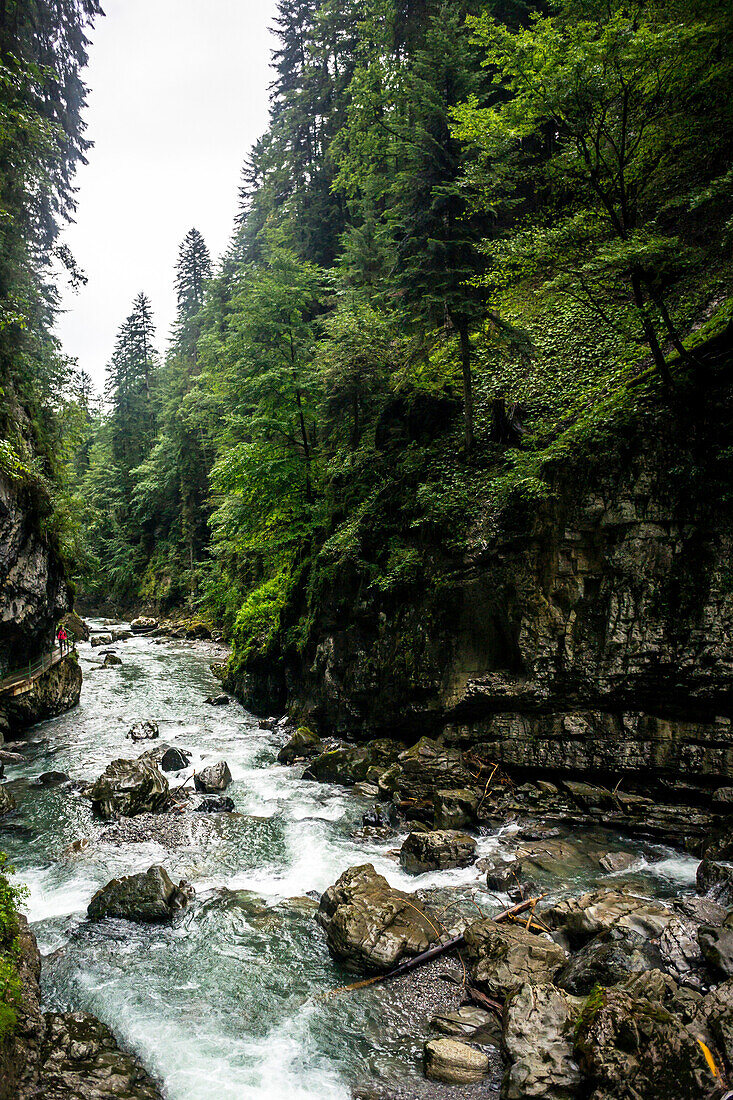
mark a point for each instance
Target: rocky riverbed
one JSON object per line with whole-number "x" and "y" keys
{"x": 287, "y": 867}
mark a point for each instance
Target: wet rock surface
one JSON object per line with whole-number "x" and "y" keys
{"x": 370, "y": 926}
{"x": 81, "y": 1061}
{"x": 63, "y": 1056}
{"x": 503, "y": 958}
{"x": 213, "y": 779}
{"x": 128, "y": 787}
{"x": 302, "y": 745}
{"x": 149, "y": 898}
{"x": 435, "y": 851}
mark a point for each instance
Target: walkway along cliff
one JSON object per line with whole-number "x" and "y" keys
{"x": 34, "y": 595}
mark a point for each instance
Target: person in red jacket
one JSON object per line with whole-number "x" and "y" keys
{"x": 63, "y": 638}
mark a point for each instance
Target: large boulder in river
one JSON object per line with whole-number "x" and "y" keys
{"x": 144, "y": 731}
{"x": 715, "y": 880}
{"x": 142, "y": 624}
{"x": 369, "y": 926}
{"x": 128, "y": 787}
{"x": 174, "y": 760}
{"x": 213, "y": 779}
{"x": 502, "y": 958}
{"x": 302, "y": 745}
{"x": 577, "y": 920}
{"x": 630, "y": 1046}
{"x": 436, "y": 851}
{"x": 351, "y": 764}
{"x": 7, "y": 802}
{"x": 539, "y": 1024}
{"x": 101, "y": 639}
{"x": 149, "y": 898}
{"x": 425, "y": 768}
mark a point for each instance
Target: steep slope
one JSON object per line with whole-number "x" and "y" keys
{"x": 589, "y": 633}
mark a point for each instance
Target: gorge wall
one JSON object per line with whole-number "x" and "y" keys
{"x": 34, "y": 595}
{"x": 589, "y": 634}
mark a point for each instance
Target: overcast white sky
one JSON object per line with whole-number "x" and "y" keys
{"x": 178, "y": 92}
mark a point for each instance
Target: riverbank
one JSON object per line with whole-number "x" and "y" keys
{"x": 231, "y": 997}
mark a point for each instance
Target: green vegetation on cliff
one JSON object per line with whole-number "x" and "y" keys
{"x": 478, "y": 238}
{"x": 10, "y": 987}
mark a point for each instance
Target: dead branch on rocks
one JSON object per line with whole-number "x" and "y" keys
{"x": 432, "y": 952}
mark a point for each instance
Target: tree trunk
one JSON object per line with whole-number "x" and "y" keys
{"x": 356, "y": 430}
{"x": 649, "y": 331}
{"x": 306, "y": 448}
{"x": 467, "y": 386}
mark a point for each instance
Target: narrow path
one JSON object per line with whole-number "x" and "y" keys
{"x": 20, "y": 681}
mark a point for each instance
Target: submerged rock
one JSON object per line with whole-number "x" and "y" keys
{"x": 436, "y": 851}
{"x": 128, "y": 787}
{"x": 369, "y": 926}
{"x": 111, "y": 660}
{"x": 503, "y": 958}
{"x": 454, "y": 1063}
{"x": 101, "y": 639}
{"x": 50, "y": 779}
{"x": 303, "y": 744}
{"x": 217, "y": 700}
{"x": 213, "y": 779}
{"x": 148, "y": 898}
{"x": 144, "y": 731}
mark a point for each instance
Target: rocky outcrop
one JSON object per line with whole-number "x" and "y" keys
{"x": 369, "y": 926}
{"x": 588, "y": 633}
{"x": 128, "y": 787}
{"x": 53, "y": 693}
{"x": 503, "y": 958}
{"x": 213, "y": 779}
{"x": 34, "y": 594}
{"x": 436, "y": 851}
{"x": 149, "y": 898}
{"x": 63, "y": 1056}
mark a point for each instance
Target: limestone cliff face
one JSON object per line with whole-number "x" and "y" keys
{"x": 33, "y": 589}
{"x": 593, "y": 634}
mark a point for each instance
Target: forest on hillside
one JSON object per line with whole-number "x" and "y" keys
{"x": 476, "y": 238}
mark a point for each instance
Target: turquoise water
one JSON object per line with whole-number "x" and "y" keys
{"x": 227, "y": 1002}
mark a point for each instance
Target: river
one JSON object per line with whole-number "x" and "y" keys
{"x": 227, "y": 1002}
